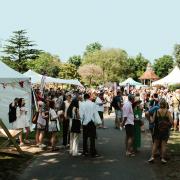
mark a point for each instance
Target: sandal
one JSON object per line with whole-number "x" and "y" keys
{"x": 55, "y": 149}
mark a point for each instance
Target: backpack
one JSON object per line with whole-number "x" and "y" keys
{"x": 163, "y": 122}
{"x": 12, "y": 113}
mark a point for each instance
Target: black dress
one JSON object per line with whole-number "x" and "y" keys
{"x": 162, "y": 126}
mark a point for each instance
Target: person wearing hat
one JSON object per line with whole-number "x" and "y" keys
{"x": 128, "y": 121}
{"x": 137, "y": 123}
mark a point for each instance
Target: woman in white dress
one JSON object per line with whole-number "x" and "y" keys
{"x": 53, "y": 125}
{"x": 21, "y": 121}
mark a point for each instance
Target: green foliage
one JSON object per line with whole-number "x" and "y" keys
{"x": 177, "y": 54}
{"x": 91, "y": 74}
{"x": 174, "y": 87}
{"x": 163, "y": 65}
{"x": 112, "y": 62}
{"x": 76, "y": 60}
{"x": 135, "y": 67}
{"x": 68, "y": 71}
{"x": 45, "y": 63}
{"x": 93, "y": 47}
{"x": 19, "y": 49}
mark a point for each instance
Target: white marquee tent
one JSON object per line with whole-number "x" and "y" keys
{"x": 36, "y": 79}
{"x": 13, "y": 85}
{"x": 172, "y": 78}
{"x": 131, "y": 82}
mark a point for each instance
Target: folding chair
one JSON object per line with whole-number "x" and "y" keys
{"x": 11, "y": 135}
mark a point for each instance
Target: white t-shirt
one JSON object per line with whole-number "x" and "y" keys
{"x": 99, "y": 105}
{"x": 128, "y": 112}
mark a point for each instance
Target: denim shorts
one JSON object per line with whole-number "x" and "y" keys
{"x": 118, "y": 113}
{"x": 177, "y": 115}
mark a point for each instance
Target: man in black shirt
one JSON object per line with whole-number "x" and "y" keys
{"x": 117, "y": 103}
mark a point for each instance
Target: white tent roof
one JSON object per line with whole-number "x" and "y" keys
{"x": 36, "y": 79}
{"x": 172, "y": 78}
{"x": 7, "y": 74}
{"x": 11, "y": 88}
{"x": 130, "y": 81}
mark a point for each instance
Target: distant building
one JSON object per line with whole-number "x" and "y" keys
{"x": 149, "y": 75}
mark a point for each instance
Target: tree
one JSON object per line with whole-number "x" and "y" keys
{"x": 76, "y": 60}
{"x": 177, "y": 54}
{"x": 93, "y": 47}
{"x": 45, "y": 63}
{"x": 19, "y": 49}
{"x": 91, "y": 73}
{"x": 140, "y": 65}
{"x": 111, "y": 61}
{"x": 163, "y": 65}
{"x": 68, "y": 71}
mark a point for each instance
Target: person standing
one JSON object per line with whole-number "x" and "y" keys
{"x": 163, "y": 121}
{"x": 40, "y": 127}
{"x": 90, "y": 118}
{"x": 137, "y": 124}
{"x": 176, "y": 108}
{"x": 20, "y": 122}
{"x": 73, "y": 113}
{"x": 66, "y": 120}
{"x": 117, "y": 105}
{"x": 100, "y": 107}
{"x": 128, "y": 121}
{"x": 53, "y": 125}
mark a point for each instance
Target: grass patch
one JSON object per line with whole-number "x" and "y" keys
{"x": 174, "y": 144}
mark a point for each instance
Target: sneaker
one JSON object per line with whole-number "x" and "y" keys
{"x": 151, "y": 160}
{"x": 78, "y": 154}
{"x": 21, "y": 144}
{"x": 95, "y": 155}
{"x": 42, "y": 146}
{"x": 163, "y": 161}
{"x": 27, "y": 141}
{"x": 128, "y": 153}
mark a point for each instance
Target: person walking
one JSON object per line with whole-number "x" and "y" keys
{"x": 128, "y": 121}
{"x": 163, "y": 121}
{"x": 90, "y": 118}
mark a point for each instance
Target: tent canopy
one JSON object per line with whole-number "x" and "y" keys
{"x": 13, "y": 85}
{"x": 130, "y": 81}
{"x": 8, "y": 74}
{"x": 36, "y": 79}
{"x": 171, "y": 78}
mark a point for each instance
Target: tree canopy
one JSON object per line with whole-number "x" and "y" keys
{"x": 19, "y": 49}
{"x": 163, "y": 65}
{"x": 177, "y": 54}
{"x": 76, "y": 60}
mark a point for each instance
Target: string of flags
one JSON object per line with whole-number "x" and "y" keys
{"x": 13, "y": 84}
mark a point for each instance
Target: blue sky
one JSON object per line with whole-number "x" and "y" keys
{"x": 65, "y": 27}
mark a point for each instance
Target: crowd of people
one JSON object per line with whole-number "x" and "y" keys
{"x": 77, "y": 112}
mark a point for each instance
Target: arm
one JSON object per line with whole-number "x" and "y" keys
{"x": 170, "y": 117}
{"x": 152, "y": 119}
{"x": 124, "y": 121}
